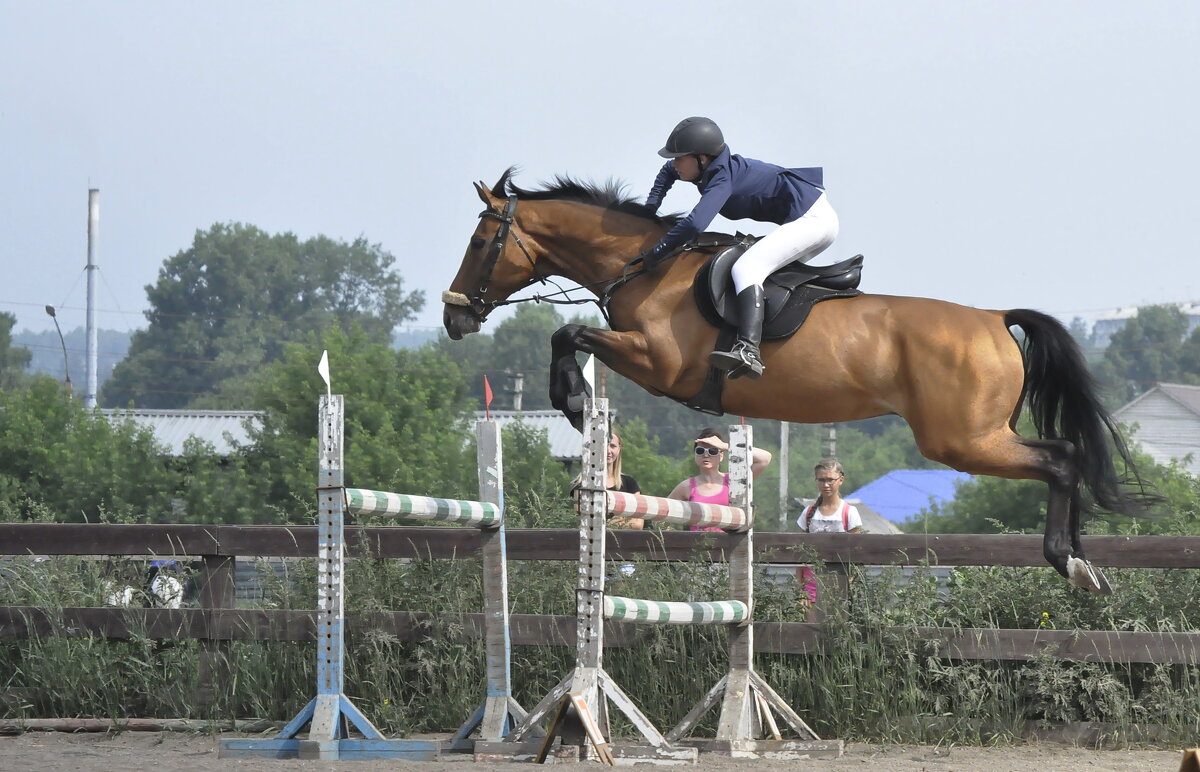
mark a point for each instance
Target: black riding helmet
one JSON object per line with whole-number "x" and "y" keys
{"x": 694, "y": 136}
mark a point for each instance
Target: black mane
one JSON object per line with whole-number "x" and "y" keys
{"x": 610, "y": 195}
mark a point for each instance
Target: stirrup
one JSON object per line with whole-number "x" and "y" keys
{"x": 742, "y": 361}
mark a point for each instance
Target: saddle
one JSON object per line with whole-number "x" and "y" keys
{"x": 790, "y": 293}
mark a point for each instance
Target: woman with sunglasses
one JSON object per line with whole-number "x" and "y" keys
{"x": 710, "y": 485}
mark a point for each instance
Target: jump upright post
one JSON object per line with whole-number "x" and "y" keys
{"x": 578, "y": 706}
{"x": 330, "y": 714}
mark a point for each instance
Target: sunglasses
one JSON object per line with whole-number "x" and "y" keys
{"x": 706, "y": 450}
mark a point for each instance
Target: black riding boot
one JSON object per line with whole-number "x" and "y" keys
{"x": 745, "y": 358}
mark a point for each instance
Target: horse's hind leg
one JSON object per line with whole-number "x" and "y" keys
{"x": 1007, "y": 454}
{"x": 1082, "y": 572}
{"x": 1062, "y": 544}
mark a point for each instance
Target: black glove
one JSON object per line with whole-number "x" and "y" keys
{"x": 652, "y": 259}
{"x": 650, "y": 209}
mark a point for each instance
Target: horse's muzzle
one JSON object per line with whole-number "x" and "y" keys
{"x": 460, "y": 321}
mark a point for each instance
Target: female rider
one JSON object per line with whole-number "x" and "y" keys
{"x": 742, "y": 188}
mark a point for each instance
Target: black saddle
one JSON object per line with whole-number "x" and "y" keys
{"x": 790, "y": 292}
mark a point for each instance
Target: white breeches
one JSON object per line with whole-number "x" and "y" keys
{"x": 801, "y": 240}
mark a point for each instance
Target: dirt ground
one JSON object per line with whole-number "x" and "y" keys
{"x": 177, "y": 752}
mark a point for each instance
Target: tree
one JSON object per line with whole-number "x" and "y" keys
{"x": 13, "y": 359}
{"x": 56, "y": 453}
{"x": 229, "y": 304}
{"x": 1150, "y": 349}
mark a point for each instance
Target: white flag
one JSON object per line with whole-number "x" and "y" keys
{"x": 589, "y": 372}
{"x": 323, "y": 369}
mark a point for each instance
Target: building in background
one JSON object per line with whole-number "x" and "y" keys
{"x": 1107, "y": 324}
{"x": 566, "y": 444}
{"x": 1166, "y": 424}
{"x": 223, "y": 429}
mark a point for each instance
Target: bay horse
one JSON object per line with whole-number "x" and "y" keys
{"x": 957, "y": 375}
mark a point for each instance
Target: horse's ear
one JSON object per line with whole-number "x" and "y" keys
{"x": 481, "y": 189}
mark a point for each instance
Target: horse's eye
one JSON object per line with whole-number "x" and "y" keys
{"x": 477, "y": 242}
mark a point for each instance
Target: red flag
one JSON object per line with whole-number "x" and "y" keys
{"x": 487, "y": 398}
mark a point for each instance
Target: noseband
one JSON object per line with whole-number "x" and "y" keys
{"x": 475, "y": 299}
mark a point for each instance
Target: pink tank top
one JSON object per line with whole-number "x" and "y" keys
{"x": 720, "y": 497}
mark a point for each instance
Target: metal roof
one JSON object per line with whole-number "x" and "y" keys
{"x": 566, "y": 444}
{"x": 172, "y": 427}
{"x": 902, "y": 493}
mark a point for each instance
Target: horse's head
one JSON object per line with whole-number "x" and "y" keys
{"x": 498, "y": 262}
{"x": 583, "y": 232}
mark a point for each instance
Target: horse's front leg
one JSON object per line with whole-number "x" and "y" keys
{"x": 567, "y": 386}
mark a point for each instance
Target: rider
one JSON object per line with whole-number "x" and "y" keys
{"x": 738, "y": 188}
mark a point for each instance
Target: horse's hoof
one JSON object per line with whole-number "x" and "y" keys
{"x": 1081, "y": 573}
{"x": 575, "y": 403}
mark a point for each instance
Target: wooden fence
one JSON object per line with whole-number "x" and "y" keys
{"x": 216, "y": 620}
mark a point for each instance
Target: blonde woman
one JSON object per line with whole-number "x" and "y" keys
{"x": 615, "y": 480}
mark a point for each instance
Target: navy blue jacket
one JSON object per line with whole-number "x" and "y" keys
{"x": 738, "y": 188}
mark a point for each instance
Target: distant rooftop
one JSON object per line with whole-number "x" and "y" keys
{"x": 220, "y": 428}
{"x": 566, "y": 444}
{"x": 1129, "y": 312}
{"x": 902, "y": 493}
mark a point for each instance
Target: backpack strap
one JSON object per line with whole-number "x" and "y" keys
{"x": 845, "y": 517}
{"x": 808, "y": 513}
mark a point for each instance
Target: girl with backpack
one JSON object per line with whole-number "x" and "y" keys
{"x": 828, "y": 514}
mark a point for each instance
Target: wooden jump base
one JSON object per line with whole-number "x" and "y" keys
{"x": 331, "y": 714}
{"x": 578, "y": 706}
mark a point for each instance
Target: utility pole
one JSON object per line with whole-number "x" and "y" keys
{"x": 783, "y": 475}
{"x": 93, "y": 232}
{"x": 831, "y": 440}
{"x": 518, "y": 389}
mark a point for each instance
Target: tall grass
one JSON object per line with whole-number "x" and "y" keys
{"x": 877, "y": 679}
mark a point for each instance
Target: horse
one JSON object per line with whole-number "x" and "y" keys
{"x": 957, "y": 375}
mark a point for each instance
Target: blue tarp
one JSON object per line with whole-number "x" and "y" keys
{"x": 900, "y": 494}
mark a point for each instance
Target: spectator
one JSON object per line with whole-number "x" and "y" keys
{"x": 828, "y": 514}
{"x": 710, "y": 485}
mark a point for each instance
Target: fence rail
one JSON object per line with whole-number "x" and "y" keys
{"x": 217, "y": 621}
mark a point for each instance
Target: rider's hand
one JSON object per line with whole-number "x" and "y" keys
{"x": 651, "y": 260}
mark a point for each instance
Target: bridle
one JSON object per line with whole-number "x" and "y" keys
{"x": 496, "y": 248}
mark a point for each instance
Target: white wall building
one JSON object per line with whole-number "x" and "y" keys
{"x": 1166, "y": 420}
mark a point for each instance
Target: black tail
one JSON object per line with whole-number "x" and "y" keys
{"x": 1064, "y": 403}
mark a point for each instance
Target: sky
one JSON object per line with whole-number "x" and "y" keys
{"x": 1039, "y": 154}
